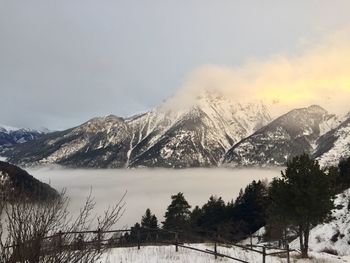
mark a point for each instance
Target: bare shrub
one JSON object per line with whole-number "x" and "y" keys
{"x": 34, "y": 232}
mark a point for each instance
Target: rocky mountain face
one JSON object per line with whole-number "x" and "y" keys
{"x": 198, "y": 135}
{"x": 334, "y": 145}
{"x": 292, "y": 134}
{"x": 10, "y": 136}
{"x": 16, "y": 183}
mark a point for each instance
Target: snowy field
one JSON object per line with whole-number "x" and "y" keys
{"x": 149, "y": 188}
{"x": 166, "y": 254}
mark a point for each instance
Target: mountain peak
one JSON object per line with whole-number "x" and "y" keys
{"x": 316, "y": 109}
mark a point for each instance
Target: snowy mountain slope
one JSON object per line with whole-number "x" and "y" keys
{"x": 291, "y": 134}
{"x": 202, "y": 134}
{"x": 184, "y": 144}
{"x": 333, "y": 236}
{"x": 196, "y": 135}
{"x": 98, "y": 142}
{"x": 10, "y": 135}
{"x": 334, "y": 145}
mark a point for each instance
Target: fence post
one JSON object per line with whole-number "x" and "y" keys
{"x": 215, "y": 250}
{"x": 138, "y": 239}
{"x": 176, "y": 241}
{"x": 59, "y": 235}
{"x": 288, "y": 256}
{"x": 251, "y": 241}
{"x": 98, "y": 240}
{"x": 264, "y": 254}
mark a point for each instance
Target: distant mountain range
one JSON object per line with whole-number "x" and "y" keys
{"x": 212, "y": 131}
{"x": 10, "y": 136}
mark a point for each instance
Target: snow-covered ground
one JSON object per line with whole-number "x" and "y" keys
{"x": 166, "y": 254}
{"x": 161, "y": 254}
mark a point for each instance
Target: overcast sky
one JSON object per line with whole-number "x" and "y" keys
{"x": 63, "y": 62}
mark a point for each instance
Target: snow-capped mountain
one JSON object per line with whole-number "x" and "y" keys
{"x": 11, "y": 135}
{"x": 197, "y": 135}
{"x": 291, "y": 134}
{"x": 334, "y": 145}
{"x": 202, "y": 134}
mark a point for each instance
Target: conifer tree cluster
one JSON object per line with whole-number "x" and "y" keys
{"x": 144, "y": 231}
{"x": 233, "y": 220}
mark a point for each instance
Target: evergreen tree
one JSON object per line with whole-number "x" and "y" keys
{"x": 251, "y": 206}
{"x": 213, "y": 214}
{"x": 195, "y": 217}
{"x": 134, "y": 232}
{"x": 302, "y": 197}
{"x": 178, "y": 213}
{"x": 149, "y": 220}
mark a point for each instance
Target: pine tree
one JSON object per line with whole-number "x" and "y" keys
{"x": 149, "y": 220}
{"x": 251, "y": 206}
{"x": 178, "y": 213}
{"x": 134, "y": 233}
{"x": 302, "y": 197}
{"x": 195, "y": 217}
{"x": 213, "y": 214}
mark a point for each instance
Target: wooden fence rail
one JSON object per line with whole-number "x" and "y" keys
{"x": 99, "y": 239}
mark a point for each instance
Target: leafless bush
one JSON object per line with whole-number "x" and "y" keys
{"x": 46, "y": 231}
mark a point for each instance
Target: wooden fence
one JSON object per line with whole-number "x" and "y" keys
{"x": 99, "y": 239}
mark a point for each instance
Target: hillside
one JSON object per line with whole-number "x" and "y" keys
{"x": 334, "y": 145}
{"x": 15, "y": 182}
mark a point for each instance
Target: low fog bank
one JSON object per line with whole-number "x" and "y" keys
{"x": 148, "y": 188}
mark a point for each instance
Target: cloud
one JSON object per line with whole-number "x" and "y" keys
{"x": 147, "y": 188}
{"x": 318, "y": 75}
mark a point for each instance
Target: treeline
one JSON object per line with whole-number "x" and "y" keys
{"x": 233, "y": 220}
{"x": 301, "y": 198}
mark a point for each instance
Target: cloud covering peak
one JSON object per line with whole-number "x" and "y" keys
{"x": 318, "y": 75}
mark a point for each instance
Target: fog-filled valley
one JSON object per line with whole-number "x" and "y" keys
{"x": 148, "y": 188}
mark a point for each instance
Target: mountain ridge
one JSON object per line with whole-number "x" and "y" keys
{"x": 293, "y": 133}
{"x": 212, "y": 131}
{"x": 206, "y": 130}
